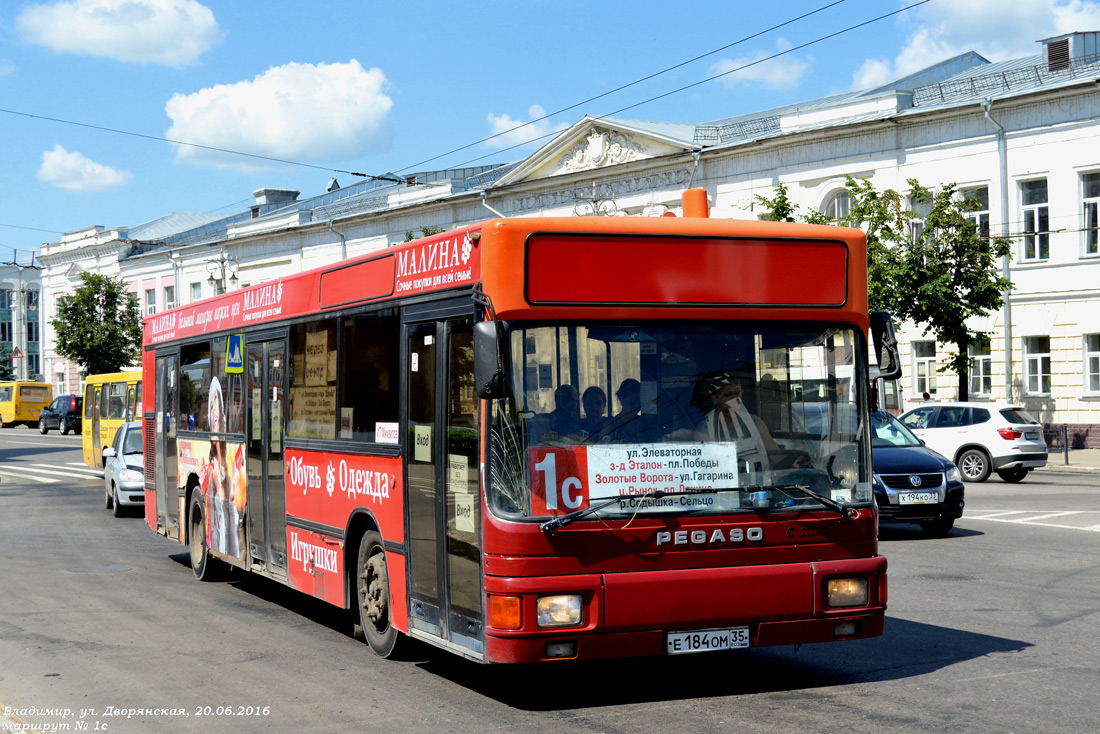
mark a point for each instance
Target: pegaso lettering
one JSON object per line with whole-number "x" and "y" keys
{"x": 704, "y": 537}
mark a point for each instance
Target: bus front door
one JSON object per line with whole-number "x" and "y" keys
{"x": 444, "y": 534}
{"x": 97, "y": 443}
{"x": 266, "y": 499}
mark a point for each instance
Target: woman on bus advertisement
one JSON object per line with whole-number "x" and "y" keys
{"x": 221, "y": 481}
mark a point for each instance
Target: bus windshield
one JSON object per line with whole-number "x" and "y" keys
{"x": 653, "y": 409}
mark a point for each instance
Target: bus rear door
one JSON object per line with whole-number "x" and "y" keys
{"x": 266, "y": 499}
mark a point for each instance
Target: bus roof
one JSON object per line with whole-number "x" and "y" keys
{"x": 551, "y": 265}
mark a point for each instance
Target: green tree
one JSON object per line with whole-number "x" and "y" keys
{"x": 781, "y": 209}
{"x": 7, "y": 369}
{"x": 411, "y": 235}
{"x": 941, "y": 277}
{"x": 946, "y": 274}
{"x": 99, "y": 325}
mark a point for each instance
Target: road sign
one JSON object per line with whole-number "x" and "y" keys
{"x": 17, "y": 353}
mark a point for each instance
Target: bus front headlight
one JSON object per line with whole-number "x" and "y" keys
{"x": 851, "y": 592}
{"x": 562, "y": 610}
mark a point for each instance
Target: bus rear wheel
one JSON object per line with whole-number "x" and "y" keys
{"x": 204, "y": 566}
{"x": 373, "y": 592}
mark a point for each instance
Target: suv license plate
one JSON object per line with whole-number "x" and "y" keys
{"x": 918, "y": 498}
{"x": 707, "y": 640}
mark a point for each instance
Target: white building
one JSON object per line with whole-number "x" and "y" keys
{"x": 20, "y": 319}
{"x": 1023, "y": 134}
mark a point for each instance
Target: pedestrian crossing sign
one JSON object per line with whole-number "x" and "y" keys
{"x": 234, "y": 355}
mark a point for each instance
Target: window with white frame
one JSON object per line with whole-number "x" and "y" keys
{"x": 981, "y": 368}
{"x": 924, "y": 367}
{"x": 979, "y": 217}
{"x": 837, "y": 207}
{"x": 5, "y": 298}
{"x": 196, "y": 292}
{"x": 32, "y": 331}
{"x": 1091, "y": 224}
{"x": 5, "y": 331}
{"x": 1092, "y": 363}
{"x": 150, "y": 302}
{"x": 1036, "y": 218}
{"x": 1037, "y": 364}
{"x": 169, "y": 297}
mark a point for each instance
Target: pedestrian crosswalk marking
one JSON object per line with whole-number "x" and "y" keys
{"x": 6, "y": 471}
{"x": 1038, "y": 519}
{"x": 82, "y": 468}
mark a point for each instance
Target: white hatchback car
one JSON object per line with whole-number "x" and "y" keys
{"x": 981, "y": 437}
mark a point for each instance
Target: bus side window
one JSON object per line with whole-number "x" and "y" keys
{"x": 368, "y": 375}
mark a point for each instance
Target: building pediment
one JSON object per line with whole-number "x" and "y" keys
{"x": 595, "y": 143}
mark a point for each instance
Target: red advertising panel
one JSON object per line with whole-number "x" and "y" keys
{"x": 325, "y": 488}
{"x": 315, "y": 565}
{"x": 440, "y": 263}
{"x": 610, "y": 269}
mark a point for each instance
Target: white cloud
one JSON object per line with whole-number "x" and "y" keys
{"x": 169, "y": 32}
{"x": 511, "y": 134}
{"x": 938, "y": 31}
{"x": 6, "y": 67}
{"x": 75, "y": 172}
{"x": 300, "y": 112}
{"x": 780, "y": 73}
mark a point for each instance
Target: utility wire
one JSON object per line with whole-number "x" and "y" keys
{"x": 655, "y": 74}
{"x": 542, "y": 137}
{"x": 197, "y": 145}
{"x": 712, "y": 78}
{"x": 441, "y": 155}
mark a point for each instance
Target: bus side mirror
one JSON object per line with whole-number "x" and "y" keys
{"x": 886, "y": 347}
{"x": 489, "y": 376}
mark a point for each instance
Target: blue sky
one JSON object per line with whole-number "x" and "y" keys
{"x": 372, "y": 87}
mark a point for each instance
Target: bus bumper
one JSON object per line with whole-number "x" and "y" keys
{"x": 633, "y": 614}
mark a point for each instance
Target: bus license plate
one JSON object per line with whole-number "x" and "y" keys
{"x": 707, "y": 640}
{"x": 918, "y": 498}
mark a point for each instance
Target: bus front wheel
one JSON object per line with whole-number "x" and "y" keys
{"x": 373, "y": 592}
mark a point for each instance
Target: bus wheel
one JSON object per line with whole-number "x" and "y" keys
{"x": 373, "y": 588}
{"x": 202, "y": 563}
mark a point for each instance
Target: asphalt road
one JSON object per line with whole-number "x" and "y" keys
{"x": 989, "y": 630}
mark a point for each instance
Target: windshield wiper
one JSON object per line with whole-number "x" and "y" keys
{"x": 552, "y": 525}
{"x": 827, "y": 501}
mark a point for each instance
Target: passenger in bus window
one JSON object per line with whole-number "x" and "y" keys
{"x": 625, "y": 425}
{"x": 565, "y": 419}
{"x": 594, "y": 401}
{"x": 728, "y": 419}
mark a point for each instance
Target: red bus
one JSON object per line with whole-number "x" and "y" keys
{"x": 538, "y": 439}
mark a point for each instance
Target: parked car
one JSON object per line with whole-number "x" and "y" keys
{"x": 123, "y": 469}
{"x": 981, "y": 437}
{"x": 63, "y": 413}
{"x": 912, "y": 483}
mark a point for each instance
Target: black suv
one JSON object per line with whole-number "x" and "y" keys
{"x": 63, "y": 414}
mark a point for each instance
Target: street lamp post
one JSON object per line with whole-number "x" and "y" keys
{"x": 222, "y": 272}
